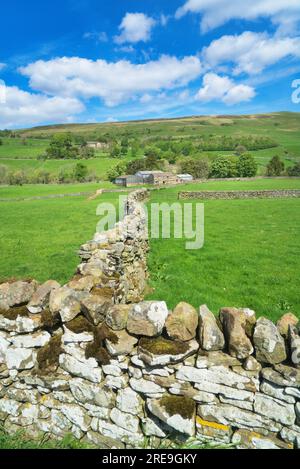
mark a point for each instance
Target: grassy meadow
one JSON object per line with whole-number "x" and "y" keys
{"x": 250, "y": 257}
{"x": 40, "y": 238}
{"x": 282, "y": 128}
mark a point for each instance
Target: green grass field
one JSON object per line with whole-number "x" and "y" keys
{"x": 40, "y": 238}
{"x": 22, "y": 148}
{"x": 250, "y": 257}
{"x": 99, "y": 165}
{"x": 33, "y": 190}
{"x": 283, "y": 128}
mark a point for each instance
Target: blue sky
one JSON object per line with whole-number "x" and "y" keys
{"x": 98, "y": 61}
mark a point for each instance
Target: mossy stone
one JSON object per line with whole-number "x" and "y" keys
{"x": 178, "y": 405}
{"x": 162, "y": 346}
{"x": 80, "y": 324}
{"x": 13, "y": 313}
{"x": 96, "y": 348}
{"x": 48, "y": 356}
{"x": 50, "y": 320}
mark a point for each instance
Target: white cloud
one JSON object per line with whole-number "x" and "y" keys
{"x": 114, "y": 82}
{"x": 125, "y": 49}
{"x": 164, "y": 19}
{"x": 251, "y": 52}
{"x": 96, "y": 36}
{"x": 135, "y": 27}
{"x": 238, "y": 94}
{"x": 222, "y": 88}
{"x": 111, "y": 119}
{"x": 285, "y": 13}
{"x": 21, "y": 108}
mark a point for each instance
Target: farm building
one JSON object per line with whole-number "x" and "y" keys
{"x": 160, "y": 178}
{"x": 157, "y": 177}
{"x": 185, "y": 177}
{"x": 97, "y": 145}
{"x": 147, "y": 177}
{"x": 128, "y": 180}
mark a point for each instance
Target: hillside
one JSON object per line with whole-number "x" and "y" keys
{"x": 281, "y": 129}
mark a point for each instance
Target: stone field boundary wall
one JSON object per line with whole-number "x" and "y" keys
{"x": 220, "y": 195}
{"x": 93, "y": 359}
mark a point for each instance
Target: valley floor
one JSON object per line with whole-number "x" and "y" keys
{"x": 250, "y": 256}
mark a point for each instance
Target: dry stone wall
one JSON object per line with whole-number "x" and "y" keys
{"x": 264, "y": 194}
{"x": 93, "y": 359}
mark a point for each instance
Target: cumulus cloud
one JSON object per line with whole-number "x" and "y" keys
{"x": 251, "y": 52}
{"x": 285, "y": 13}
{"x": 223, "y": 88}
{"x": 114, "y": 82}
{"x": 23, "y": 108}
{"x": 135, "y": 27}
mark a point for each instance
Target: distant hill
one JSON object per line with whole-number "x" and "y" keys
{"x": 170, "y": 126}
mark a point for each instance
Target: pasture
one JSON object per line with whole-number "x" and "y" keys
{"x": 250, "y": 257}
{"x": 283, "y": 128}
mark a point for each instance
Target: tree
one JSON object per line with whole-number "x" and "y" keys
{"x": 86, "y": 152}
{"x": 134, "y": 166}
{"x": 124, "y": 146}
{"x": 223, "y": 167}
{"x": 152, "y": 162}
{"x": 169, "y": 156}
{"x": 116, "y": 171}
{"x": 61, "y": 147}
{"x": 275, "y": 166}
{"x": 240, "y": 149}
{"x": 134, "y": 148}
{"x": 1, "y": 141}
{"x": 294, "y": 170}
{"x": 80, "y": 172}
{"x": 198, "y": 168}
{"x": 115, "y": 151}
{"x": 246, "y": 165}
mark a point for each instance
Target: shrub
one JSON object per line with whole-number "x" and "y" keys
{"x": 115, "y": 151}
{"x": 223, "y": 167}
{"x": 198, "y": 168}
{"x": 118, "y": 170}
{"x": 294, "y": 170}
{"x": 275, "y": 166}
{"x": 86, "y": 152}
{"x": 17, "y": 179}
{"x": 80, "y": 172}
{"x": 41, "y": 176}
{"x": 246, "y": 165}
{"x": 3, "y": 174}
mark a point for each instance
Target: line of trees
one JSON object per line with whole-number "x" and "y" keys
{"x": 63, "y": 146}
{"x": 200, "y": 168}
{"x": 72, "y": 173}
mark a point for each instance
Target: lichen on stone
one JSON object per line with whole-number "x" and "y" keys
{"x": 105, "y": 292}
{"x": 48, "y": 356}
{"x": 178, "y": 405}
{"x": 162, "y": 346}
